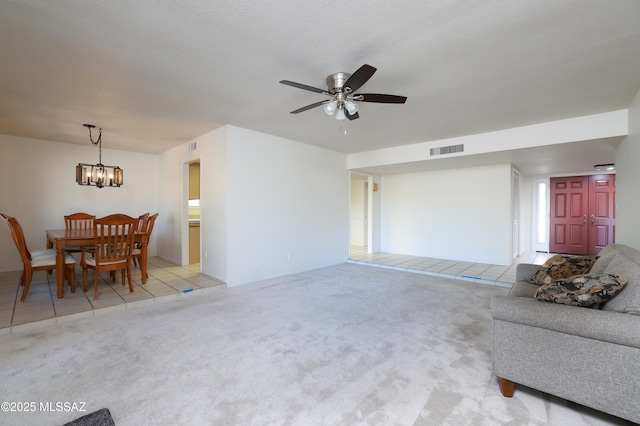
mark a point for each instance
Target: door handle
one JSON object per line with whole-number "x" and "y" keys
{"x": 593, "y": 219}
{"x": 584, "y": 219}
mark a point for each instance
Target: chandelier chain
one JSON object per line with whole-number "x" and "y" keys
{"x": 96, "y": 142}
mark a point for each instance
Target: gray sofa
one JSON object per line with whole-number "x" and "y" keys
{"x": 589, "y": 356}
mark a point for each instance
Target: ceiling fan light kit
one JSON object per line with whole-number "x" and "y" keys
{"x": 340, "y": 89}
{"x": 330, "y": 107}
{"x": 352, "y": 107}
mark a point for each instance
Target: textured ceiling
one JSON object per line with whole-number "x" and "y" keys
{"x": 157, "y": 74}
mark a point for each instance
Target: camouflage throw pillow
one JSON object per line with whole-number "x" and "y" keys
{"x": 562, "y": 266}
{"x": 589, "y": 291}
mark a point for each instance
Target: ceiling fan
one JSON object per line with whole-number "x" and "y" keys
{"x": 342, "y": 99}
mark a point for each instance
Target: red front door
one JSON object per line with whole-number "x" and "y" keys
{"x": 582, "y": 214}
{"x": 602, "y": 212}
{"x": 569, "y": 232}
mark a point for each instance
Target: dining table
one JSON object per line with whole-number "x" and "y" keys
{"x": 63, "y": 238}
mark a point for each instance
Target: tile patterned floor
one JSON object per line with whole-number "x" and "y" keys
{"x": 166, "y": 281}
{"x": 484, "y": 273}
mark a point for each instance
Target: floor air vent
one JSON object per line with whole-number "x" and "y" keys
{"x": 447, "y": 149}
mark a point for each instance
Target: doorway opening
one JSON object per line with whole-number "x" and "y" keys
{"x": 191, "y": 241}
{"x": 193, "y": 213}
{"x": 359, "y": 213}
{"x": 365, "y": 213}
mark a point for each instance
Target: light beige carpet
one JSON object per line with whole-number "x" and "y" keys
{"x": 344, "y": 345}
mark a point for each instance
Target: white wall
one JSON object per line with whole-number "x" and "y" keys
{"x": 37, "y": 186}
{"x": 461, "y": 214}
{"x": 628, "y": 181}
{"x": 214, "y": 205}
{"x": 526, "y": 212}
{"x": 269, "y": 206}
{"x": 597, "y": 126}
{"x": 288, "y": 207}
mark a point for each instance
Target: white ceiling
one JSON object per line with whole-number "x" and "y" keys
{"x": 156, "y": 74}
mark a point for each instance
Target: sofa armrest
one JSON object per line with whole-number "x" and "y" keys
{"x": 524, "y": 271}
{"x": 523, "y": 289}
{"x": 595, "y": 324}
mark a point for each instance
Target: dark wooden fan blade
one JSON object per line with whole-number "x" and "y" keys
{"x": 358, "y": 78}
{"x": 351, "y": 117}
{"x": 380, "y": 98}
{"x": 304, "y": 87}
{"x": 304, "y": 108}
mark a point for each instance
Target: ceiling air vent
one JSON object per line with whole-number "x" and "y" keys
{"x": 192, "y": 146}
{"x": 446, "y": 150}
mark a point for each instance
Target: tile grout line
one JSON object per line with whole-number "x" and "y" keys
{"x": 205, "y": 285}
{"x": 440, "y": 273}
{"x": 100, "y": 310}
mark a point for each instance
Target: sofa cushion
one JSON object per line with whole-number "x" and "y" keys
{"x": 629, "y": 299}
{"x": 562, "y": 266}
{"x": 589, "y": 291}
{"x": 605, "y": 257}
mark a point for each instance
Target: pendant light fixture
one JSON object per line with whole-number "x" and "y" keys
{"x": 98, "y": 174}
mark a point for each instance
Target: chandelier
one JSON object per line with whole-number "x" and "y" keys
{"x": 98, "y": 174}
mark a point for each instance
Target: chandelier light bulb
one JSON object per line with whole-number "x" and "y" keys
{"x": 340, "y": 114}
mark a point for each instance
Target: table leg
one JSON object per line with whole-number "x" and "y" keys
{"x": 60, "y": 272}
{"x": 143, "y": 262}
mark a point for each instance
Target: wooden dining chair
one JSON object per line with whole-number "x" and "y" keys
{"x": 78, "y": 221}
{"x": 140, "y": 227}
{"x": 42, "y": 260}
{"x": 137, "y": 251}
{"x": 113, "y": 246}
{"x": 142, "y": 222}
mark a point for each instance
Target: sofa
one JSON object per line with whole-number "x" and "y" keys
{"x": 590, "y": 356}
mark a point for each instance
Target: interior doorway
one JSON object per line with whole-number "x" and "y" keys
{"x": 193, "y": 215}
{"x": 582, "y": 214}
{"x": 359, "y": 211}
